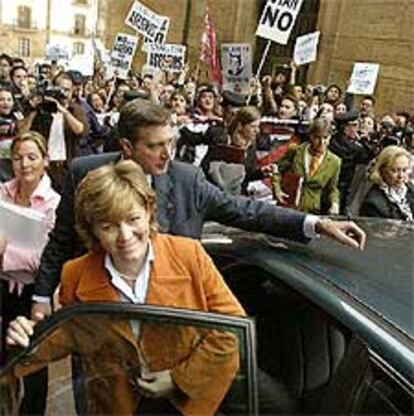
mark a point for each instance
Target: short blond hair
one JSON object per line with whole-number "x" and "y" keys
{"x": 109, "y": 193}
{"x": 30, "y": 136}
{"x": 385, "y": 159}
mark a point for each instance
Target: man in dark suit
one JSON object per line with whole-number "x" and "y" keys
{"x": 185, "y": 199}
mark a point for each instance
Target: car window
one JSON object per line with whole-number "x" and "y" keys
{"x": 114, "y": 345}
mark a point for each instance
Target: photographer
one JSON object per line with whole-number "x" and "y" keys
{"x": 54, "y": 114}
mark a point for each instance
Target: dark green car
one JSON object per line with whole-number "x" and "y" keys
{"x": 334, "y": 324}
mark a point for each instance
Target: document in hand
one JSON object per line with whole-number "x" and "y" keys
{"x": 22, "y": 226}
{"x": 292, "y": 186}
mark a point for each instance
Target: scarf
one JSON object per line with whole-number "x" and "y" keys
{"x": 398, "y": 196}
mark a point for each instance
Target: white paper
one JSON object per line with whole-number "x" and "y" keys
{"x": 236, "y": 59}
{"x": 83, "y": 63}
{"x": 306, "y": 48}
{"x": 22, "y": 226}
{"x": 278, "y": 19}
{"x": 144, "y": 21}
{"x": 364, "y": 78}
{"x": 159, "y": 54}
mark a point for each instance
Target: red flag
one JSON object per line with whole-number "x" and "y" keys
{"x": 208, "y": 51}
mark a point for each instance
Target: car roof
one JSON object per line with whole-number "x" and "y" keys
{"x": 381, "y": 277}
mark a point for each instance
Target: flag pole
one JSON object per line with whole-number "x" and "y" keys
{"x": 260, "y": 67}
{"x": 266, "y": 51}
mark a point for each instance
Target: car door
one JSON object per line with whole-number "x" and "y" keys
{"x": 99, "y": 336}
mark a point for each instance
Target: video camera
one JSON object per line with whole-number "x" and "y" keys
{"x": 45, "y": 89}
{"x": 7, "y": 127}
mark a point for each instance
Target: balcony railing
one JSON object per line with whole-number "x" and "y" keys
{"x": 24, "y": 25}
{"x": 86, "y": 33}
{"x": 81, "y": 2}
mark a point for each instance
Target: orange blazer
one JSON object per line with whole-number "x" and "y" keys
{"x": 203, "y": 362}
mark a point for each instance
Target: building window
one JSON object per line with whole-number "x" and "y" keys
{"x": 24, "y": 47}
{"x": 78, "y": 48}
{"x": 24, "y": 17}
{"x": 80, "y": 25}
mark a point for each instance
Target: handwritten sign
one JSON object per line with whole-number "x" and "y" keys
{"x": 306, "y": 48}
{"x": 160, "y": 37}
{"x": 278, "y": 19}
{"x": 144, "y": 21}
{"x": 166, "y": 57}
{"x": 364, "y": 78}
{"x": 122, "y": 54}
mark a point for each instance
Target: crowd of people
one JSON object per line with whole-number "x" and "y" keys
{"x": 208, "y": 154}
{"x": 78, "y": 116}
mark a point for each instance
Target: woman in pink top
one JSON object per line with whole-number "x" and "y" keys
{"x": 30, "y": 188}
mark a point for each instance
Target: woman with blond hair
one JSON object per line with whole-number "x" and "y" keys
{"x": 187, "y": 371}
{"x": 392, "y": 195}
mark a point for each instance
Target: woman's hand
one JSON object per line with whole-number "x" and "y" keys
{"x": 269, "y": 170}
{"x": 281, "y": 197}
{"x": 19, "y": 332}
{"x": 157, "y": 384}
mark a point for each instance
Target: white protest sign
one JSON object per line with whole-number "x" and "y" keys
{"x": 160, "y": 37}
{"x": 56, "y": 51}
{"x": 236, "y": 59}
{"x": 82, "y": 63}
{"x": 166, "y": 56}
{"x": 122, "y": 54}
{"x": 278, "y": 19}
{"x": 364, "y": 78}
{"x": 144, "y": 20}
{"x": 306, "y": 48}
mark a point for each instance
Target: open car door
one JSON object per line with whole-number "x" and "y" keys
{"x": 99, "y": 335}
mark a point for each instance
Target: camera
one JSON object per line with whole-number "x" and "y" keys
{"x": 45, "y": 89}
{"x": 7, "y": 127}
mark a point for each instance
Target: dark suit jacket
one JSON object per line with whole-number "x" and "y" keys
{"x": 376, "y": 204}
{"x": 185, "y": 200}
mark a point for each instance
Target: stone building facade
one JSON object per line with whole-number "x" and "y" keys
{"x": 234, "y": 21}
{"x": 352, "y": 31}
{"x": 27, "y": 26}
{"x": 379, "y": 31}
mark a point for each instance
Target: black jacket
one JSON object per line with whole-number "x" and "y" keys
{"x": 376, "y": 204}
